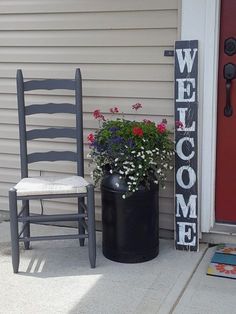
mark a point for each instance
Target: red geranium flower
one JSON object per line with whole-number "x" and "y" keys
{"x": 91, "y": 137}
{"x": 161, "y": 128}
{"x": 137, "y": 106}
{"x": 114, "y": 110}
{"x": 137, "y": 131}
{"x": 97, "y": 115}
{"x": 147, "y": 121}
{"x": 179, "y": 124}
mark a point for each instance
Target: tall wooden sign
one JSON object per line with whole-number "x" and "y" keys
{"x": 186, "y": 172}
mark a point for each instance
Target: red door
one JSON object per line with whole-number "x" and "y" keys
{"x": 226, "y": 120}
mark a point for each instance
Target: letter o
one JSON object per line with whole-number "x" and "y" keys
{"x": 192, "y": 177}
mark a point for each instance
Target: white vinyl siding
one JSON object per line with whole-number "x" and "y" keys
{"x": 119, "y": 47}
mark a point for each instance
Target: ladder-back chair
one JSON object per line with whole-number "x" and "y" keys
{"x": 42, "y": 187}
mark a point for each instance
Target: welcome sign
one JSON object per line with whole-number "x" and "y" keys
{"x": 186, "y": 115}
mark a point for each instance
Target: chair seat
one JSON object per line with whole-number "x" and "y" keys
{"x": 51, "y": 185}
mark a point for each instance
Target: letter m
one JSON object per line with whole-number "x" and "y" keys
{"x": 188, "y": 210}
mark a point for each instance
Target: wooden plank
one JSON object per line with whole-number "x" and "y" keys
{"x": 92, "y": 20}
{"x": 186, "y": 139}
{"x": 101, "y": 38}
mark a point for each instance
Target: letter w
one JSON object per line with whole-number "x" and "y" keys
{"x": 187, "y": 59}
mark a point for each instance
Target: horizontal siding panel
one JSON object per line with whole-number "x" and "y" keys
{"x": 166, "y": 204}
{"x": 11, "y": 176}
{"x": 49, "y": 207}
{"x": 11, "y": 117}
{"x": 107, "y": 89}
{"x": 60, "y": 6}
{"x": 98, "y": 72}
{"x": 80, "y": 55}
{"x": 151, "y": 106}
{"x": 166, "y": 221}
{"x": 94, "y": 20}
{"x": 98, "y": 38}
{"x": 13, "y": 161}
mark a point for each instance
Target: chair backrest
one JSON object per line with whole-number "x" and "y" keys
{"x": 55, "y": 132}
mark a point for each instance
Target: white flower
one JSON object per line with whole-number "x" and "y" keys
{"x": 121, "y": 172}
{"x": 156, "y": 182}
{"x": 117, "y": 184}
{"x": 111, "y": 171}
{"x": 140, "y": 166}
{"x": 116, "y": 159}
{"x": 123, "y": 196}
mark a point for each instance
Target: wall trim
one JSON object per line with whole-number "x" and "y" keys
{"x": 200, "y": 20}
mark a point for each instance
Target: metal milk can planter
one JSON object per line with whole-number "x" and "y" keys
{"x": 130, "y": 225}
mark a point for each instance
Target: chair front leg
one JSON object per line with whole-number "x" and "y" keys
{"x": 81, "y": 220}
{"x": 14, "y": 230}
{"x": 26, "y": 232}
{"x": 91, "y": 226}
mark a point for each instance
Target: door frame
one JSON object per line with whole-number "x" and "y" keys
{"x": 200, "y": 19}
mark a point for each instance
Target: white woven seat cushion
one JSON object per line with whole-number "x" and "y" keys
{"x": 51, "y": 185}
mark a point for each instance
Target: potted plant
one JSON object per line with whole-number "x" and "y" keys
{"x": 131, "y": 160}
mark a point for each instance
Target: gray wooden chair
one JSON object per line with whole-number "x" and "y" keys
{"x": 51, "y": 187}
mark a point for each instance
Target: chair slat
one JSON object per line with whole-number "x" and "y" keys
{"x": 51, "y": 133}
{"x": 50, "y": 108}
{"x": 49, "y": 84}
{"x": 52, "y": 156}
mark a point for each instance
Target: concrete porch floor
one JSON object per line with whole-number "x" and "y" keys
{"x": 55, "y": 277}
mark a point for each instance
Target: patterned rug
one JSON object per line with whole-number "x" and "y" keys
{"x": 223, "y": 262}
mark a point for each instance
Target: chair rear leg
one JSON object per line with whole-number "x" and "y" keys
{"x": 26, "y": 232}
{"x": 91, "y": 226}
{"x": 14, "y": 230}
{"x": 81, "y": 220}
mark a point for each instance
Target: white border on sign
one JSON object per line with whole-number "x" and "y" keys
{"x": 200, "y": 20}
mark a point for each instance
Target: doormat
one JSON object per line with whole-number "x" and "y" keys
{"x": 223, "y": 262}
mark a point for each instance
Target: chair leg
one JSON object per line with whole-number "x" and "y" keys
{"x": 80, "y": 224}
{"x": 91, "y": 226}
{"x": 14, "y": 230}
{"x": 26, "y": 232}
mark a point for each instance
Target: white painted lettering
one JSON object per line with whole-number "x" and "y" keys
{"x": 186, "y": 90}
{"x": 187, "y": 233}
{"x": 179, "y": 148}
{"x": 188, "y": 210}
{"x": 191, "y": 175}
{"x": 187, "y": 59}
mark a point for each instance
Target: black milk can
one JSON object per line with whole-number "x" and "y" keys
{"x": 130, "y": 226}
